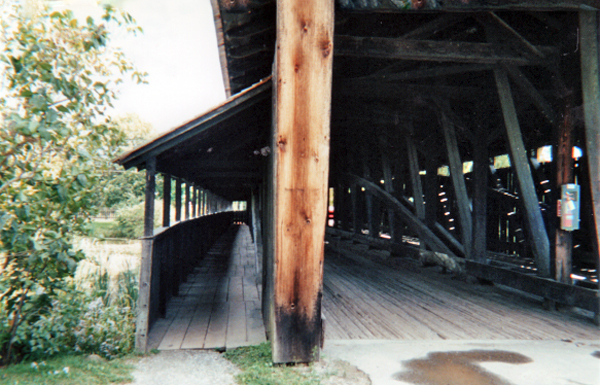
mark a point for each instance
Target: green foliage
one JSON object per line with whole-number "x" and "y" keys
{"x": 67, "y": 370}
{"x": 57, "y": 80}
{"x": 258, "y": 369}
{"x": 99, "y": 321}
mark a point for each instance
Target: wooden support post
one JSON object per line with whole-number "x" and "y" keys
{"x": 368, "y": 197}
{"x": 187, "y": 200}
{"x": 458, "y": 184}
{"x": 520, "y": 163}
{"x": 415, "y": 181}
{"x": 430, "y": 190}
{"x": 194, "y": 200}
{"x": 178, "y": 200}
{"x": 590, "y": 52}
{"x": 564, "y": 174}
{"x": 481, "y": 170}
{"x": 166, "y": 200}
{"x": 302, "y": 98}
{"x": 356, "y": 213}
{"x": 388, "y": 184}
{"x": 145, "y": 290}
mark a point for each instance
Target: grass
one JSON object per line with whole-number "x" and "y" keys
{"x": 258, "y": 369}
{"x": 68, "y": 370}
{"x": 100, "y": 229}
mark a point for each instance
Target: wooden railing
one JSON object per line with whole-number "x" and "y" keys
{"x": 175, "y": 251}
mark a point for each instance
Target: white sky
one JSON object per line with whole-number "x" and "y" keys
{"x": 178, "y": 50}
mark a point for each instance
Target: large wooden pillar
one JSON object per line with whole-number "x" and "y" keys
{"x": 527, "y": 195}
{"x": 590, "y": 80}
{"x": 143, "y": 319}
{"x": 302, "y": 98}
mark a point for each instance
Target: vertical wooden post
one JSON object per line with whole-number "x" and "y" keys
{"x": 178, "y": 200}
{"x": 187, "y": 200}
{"x": 564, "y": 174}
{"x": 356, "y": 213}
{"x": 388, "y": 184}
{"x": 194, "y": 200}
{"x": 145, "y": 290}
{"x": 520, "y": 163}
{"x": 590, "y": 51}
{"x": 302, "y": 102}
{"x": 166, "y": 200}
{"x": 458, "y": 184}
{"x": 415, "y": 181}
{"x": 481, "y": 170}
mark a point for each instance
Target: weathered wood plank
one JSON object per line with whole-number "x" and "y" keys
{"x": 196, "y": 332}
{"x": 406, "y": 215}
{"x": 166, "y": 222}
{"x": 254, "y": 323}
{"x": 481, "y": 170}
{"x": 302, "y": 95}
{"x": 472, "y": 5}
{"x": 145, "y": 289}
{"x": 236, "y": 325}
{"x": 458, "y": 183}
{"x": 217, "y": 327}
{"x": 432, "y": 50}
{"x": 518, "y": 156}
{"x": 178, "y": 200}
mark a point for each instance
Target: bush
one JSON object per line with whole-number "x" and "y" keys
{"x": 101, "y": 321}
{"x": 130, "y": 221}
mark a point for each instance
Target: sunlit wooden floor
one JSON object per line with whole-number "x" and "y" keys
{"x": 219, "y": 305}
{"x": 366, "y": 299}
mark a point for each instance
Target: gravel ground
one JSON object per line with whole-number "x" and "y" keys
{"x": 185, "y": 367}
{"x": 205, "y": 367}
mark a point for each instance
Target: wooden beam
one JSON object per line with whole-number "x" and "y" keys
{"x": 187, "y": 200}
{"x": 221, "y": 45}
{"x": 433, "y": 50}
{"x": 471, "y": 5}
{"x": 556, "y": 291}
{"x": 415, "y": 181}
{"x": 481, "y": 170}
{"x": 490, "y": 19}
{"x": 458, "y": 182}
{"x": 533, "y": 219}
{"x": 563, "y": 244}
{"x": 166, "y": 200}
{"x": 388, "y": 183}
{"x": 434, "y": 26}
{"x": 302, "y": 109}
{"x": 405, "y": 214}
{"x": 588, "y": 25}
{"x": 145, "y": 289}
{"x": 178, "y": 200}
{"x": 538, "y": 99}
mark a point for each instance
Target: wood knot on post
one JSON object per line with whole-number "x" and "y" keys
{"x": 326, "y": 47}
{"x": 281, "y": 142}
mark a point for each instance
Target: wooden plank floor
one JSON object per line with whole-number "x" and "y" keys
{"x": 365, "y": 299}
{"x": 219, "y": 305}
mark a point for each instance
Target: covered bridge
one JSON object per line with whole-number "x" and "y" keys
{"x": 463, "y": 133}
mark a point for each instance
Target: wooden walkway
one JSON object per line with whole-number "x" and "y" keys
{"x": 219, "y": 305}
{"x": 365, "y": 299}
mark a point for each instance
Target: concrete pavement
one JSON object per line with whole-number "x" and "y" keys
{"x": 485, "y": 362}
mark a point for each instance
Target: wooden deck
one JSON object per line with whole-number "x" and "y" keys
{"x": 366, "y": 299}
{"x": 219, "y": 305}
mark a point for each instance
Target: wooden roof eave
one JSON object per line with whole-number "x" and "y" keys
{"x": 468, "y": 6}
{"x": 138, "y": 156}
